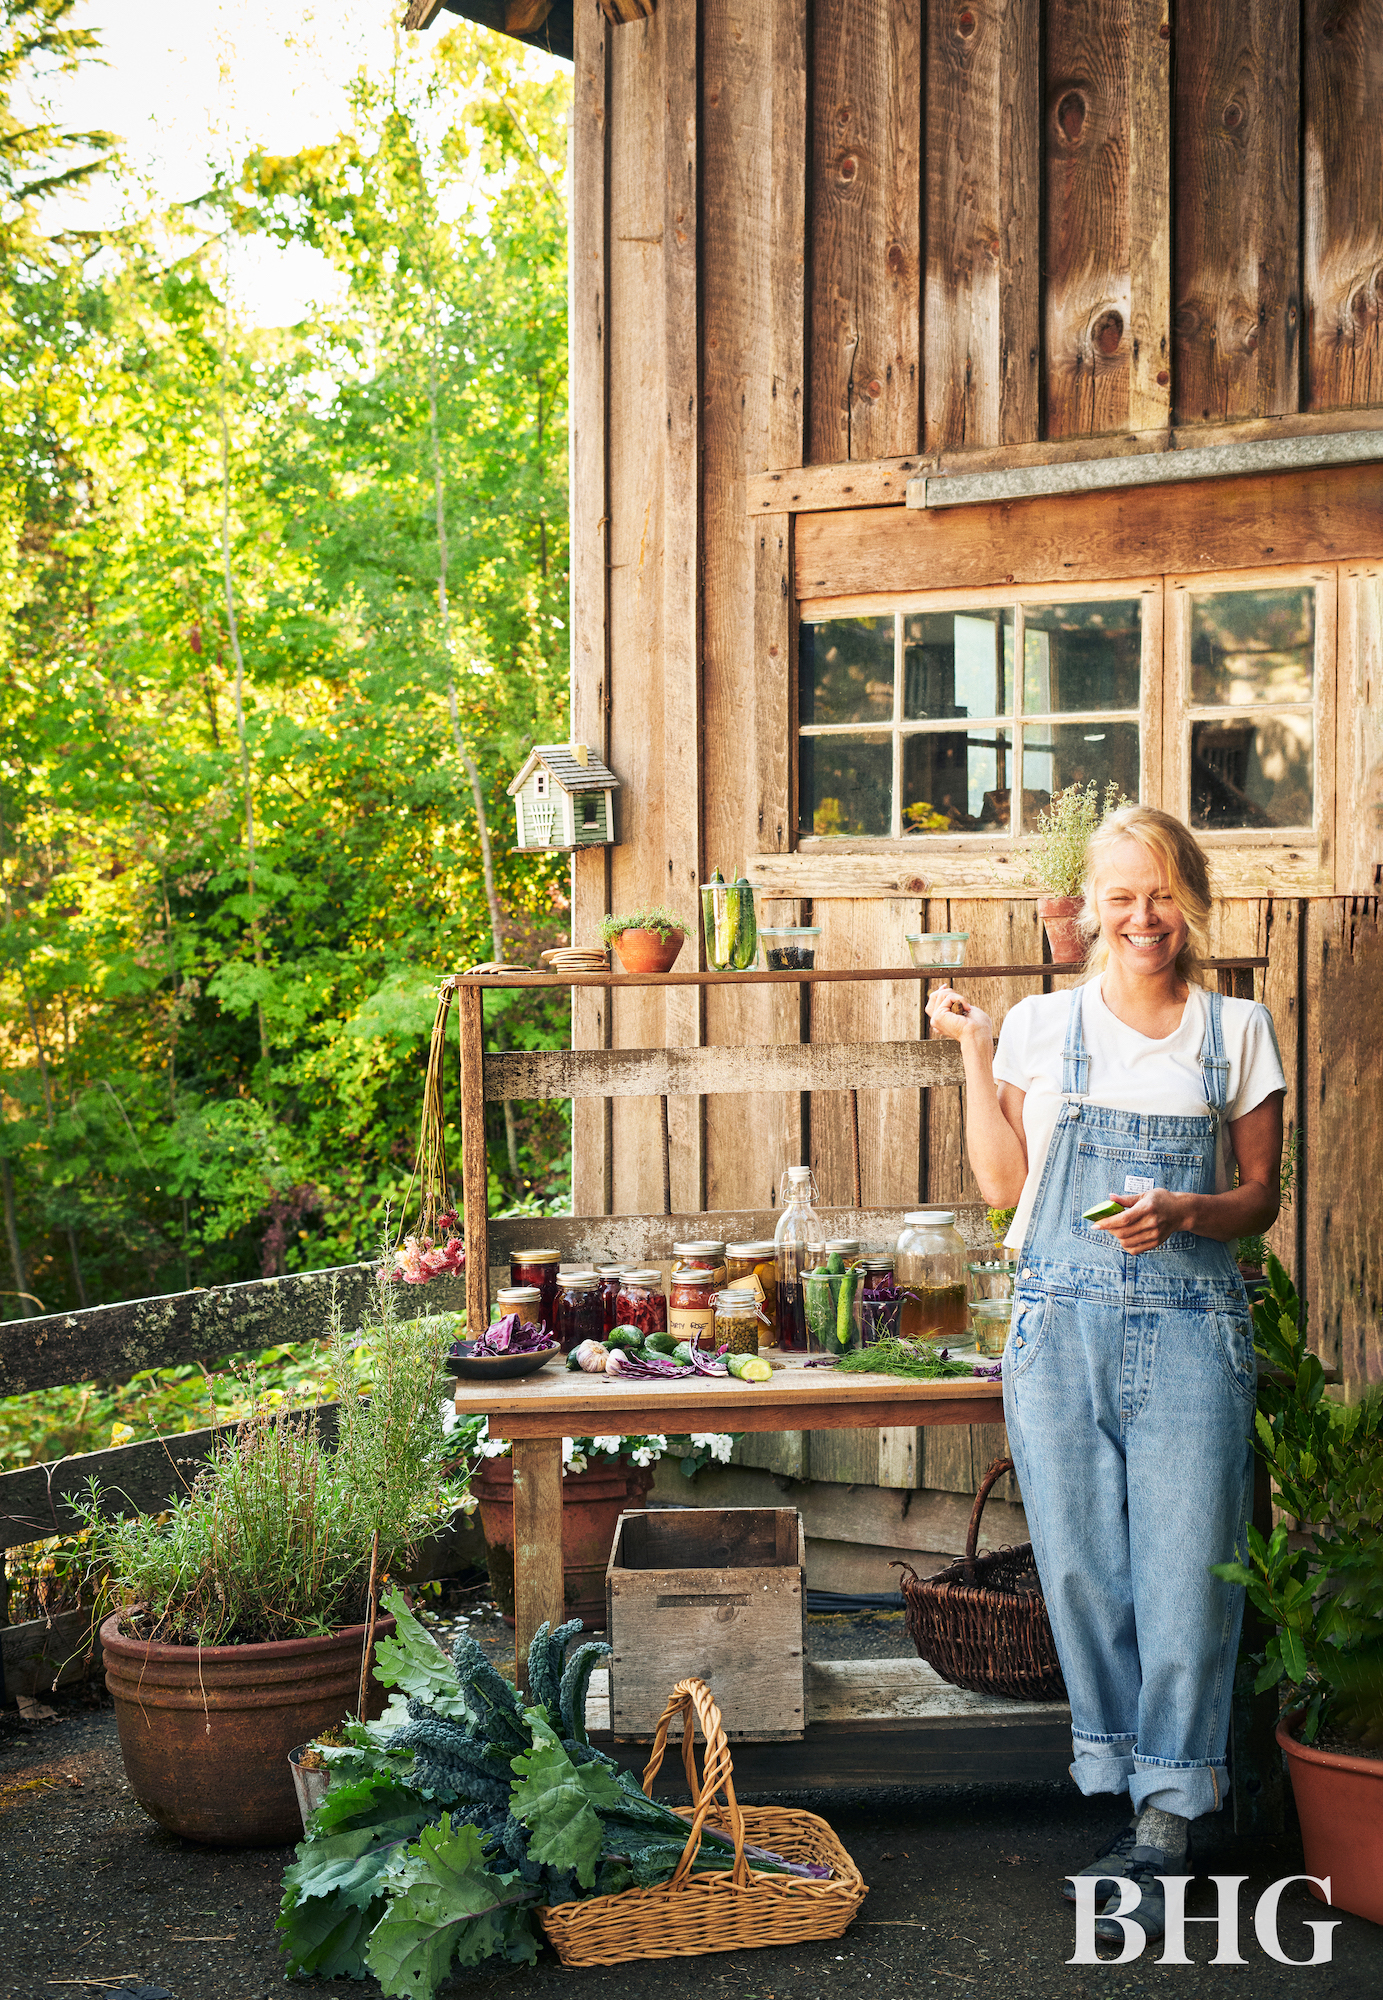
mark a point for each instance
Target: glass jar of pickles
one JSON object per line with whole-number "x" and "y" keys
{"x": 580, "y": 1309}
{"x": 538, "y": 1267}
{"x": 525, "y": 1300}
{"x": 989, "y": 1324}
{"x": 696, "y": 1256}
{"x": 753, "y": 1264}
{"x": 691, "y": 1305}
{"x": 609, "y": 1276}
{"x": 640, "y": 1302}
{"x": 929, "y": 1270}
{"x": 737, "y": 1322}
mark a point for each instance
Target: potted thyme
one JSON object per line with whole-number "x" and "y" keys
{"x": 1056, "y": 863}
{"x": 241, "y": 1620}
{"x": 648, "y": 941}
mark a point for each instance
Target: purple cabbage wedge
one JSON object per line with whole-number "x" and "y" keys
{"x": 509, "y": 1335}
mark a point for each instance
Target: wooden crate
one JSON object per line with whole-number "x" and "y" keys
{"x": 719, "y": 1592}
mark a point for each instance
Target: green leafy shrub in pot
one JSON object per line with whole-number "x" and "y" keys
{"x": 1325, "y": 1599}
{"x": 273, "y": 1539}
{"x": 1056, "y": 859}
{"x": 665, "y": 922}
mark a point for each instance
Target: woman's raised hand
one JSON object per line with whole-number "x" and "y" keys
{"x": 954, "y": 1018}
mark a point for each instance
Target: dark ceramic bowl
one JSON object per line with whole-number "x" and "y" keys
{"x": 497, "y": 1367}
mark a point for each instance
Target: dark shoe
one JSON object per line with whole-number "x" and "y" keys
{"x": 1144, "y": 1866}
{"x": 1111, "y": 1860}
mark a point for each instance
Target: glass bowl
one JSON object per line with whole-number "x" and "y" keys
{"x": 937, "y": 947}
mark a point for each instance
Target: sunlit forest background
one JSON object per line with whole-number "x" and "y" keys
{"x": 245, "y": 739}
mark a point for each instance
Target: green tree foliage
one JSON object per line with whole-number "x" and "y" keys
{"x": 238, "y": 837}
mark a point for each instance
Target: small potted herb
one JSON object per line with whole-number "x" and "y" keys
{"x": 1057, "y": 863}
{"x": 649, "y": 941}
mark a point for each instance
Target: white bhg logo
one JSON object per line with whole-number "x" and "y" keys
{"x": 1225, "y": 1920}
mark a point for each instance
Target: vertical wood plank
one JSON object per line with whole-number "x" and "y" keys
{"x": 1150, "y": 216}
{"x": 1343, "y": 247}
{"x": 538, "y": 1591}
{"x": 1238, "y": 238}
{"x": 860, "y": 931}
{"x": 1359, "y": 729}
{"x": 753, "y": 228}
{"x": 1344, "y": 1135}
{"x": 1086, "y": 259}
{"x": 1281, "y": 939}
{"x": 865, "y": 210}
{"x": 474, "y": 1165}
{"x": 682, "y": 741}
{"x": 1326, "y": 582}
{"x": 964, "y": 201}
{"x": 1020, "y": 223}
{"x": 589, "y": 486}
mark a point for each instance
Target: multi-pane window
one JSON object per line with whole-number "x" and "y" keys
{"x": 919, "y": 722}
{"x": 928, "y": 719}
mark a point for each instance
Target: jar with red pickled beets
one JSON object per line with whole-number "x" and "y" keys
{"x": 580, "y": 1310}
{"x": 538, "y": 1267}
{"x": 610, "y": 1276}
{"x": 641, "y": 1303}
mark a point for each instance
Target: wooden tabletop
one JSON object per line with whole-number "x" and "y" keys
{"x": 556, "y": 1403}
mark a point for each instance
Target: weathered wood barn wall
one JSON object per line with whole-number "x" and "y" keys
{"x": 822, "y": 247}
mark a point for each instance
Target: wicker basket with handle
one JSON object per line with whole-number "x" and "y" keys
{"x": 982, "y": 1623}
{"x": 698, "y": 1911}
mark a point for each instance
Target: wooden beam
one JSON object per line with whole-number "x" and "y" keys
{"x": 1150, "y": 215}
{"x": 421, "y": 14}
{"x": 1326, "y": 515}
{"x": 1228, "y": 461}
{"x": 538, "y": 1591}
{"x": 815, "y": 489}
{"x": 736, "y": 1072}
{"x": 1343, "y": 235}
{"x": 620, "y": 12}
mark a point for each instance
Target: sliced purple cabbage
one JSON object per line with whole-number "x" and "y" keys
{"x": 509, "y": 1335}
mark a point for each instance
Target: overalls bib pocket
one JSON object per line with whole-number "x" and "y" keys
{"x": 1101, "y": 1168}
{"x": 1032, "y": 1312}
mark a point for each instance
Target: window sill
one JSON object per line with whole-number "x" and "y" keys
{"x": 995, "y": 870}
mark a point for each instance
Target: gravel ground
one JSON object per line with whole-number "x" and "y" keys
{"x": 963, "y": 1897}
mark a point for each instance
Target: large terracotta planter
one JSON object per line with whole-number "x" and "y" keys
{"x": 1061, "y": 916}
{"x": 649, "y": 951}
{"x": 205, "y": 1732}
{"x": 592, "y": 1502}
{"x": 1340, "y": 1806}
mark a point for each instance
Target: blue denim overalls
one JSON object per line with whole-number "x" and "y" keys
{"x": 1129, "y": 1387}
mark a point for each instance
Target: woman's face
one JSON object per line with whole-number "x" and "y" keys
{"x": 1141, "y": 924}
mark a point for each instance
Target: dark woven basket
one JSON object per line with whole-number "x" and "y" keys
{"x": 982, "y": 1622}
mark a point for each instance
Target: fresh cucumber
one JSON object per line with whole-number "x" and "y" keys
{"x": 627, "y": 1337}
{"x": 835, "y": 1263}
{"x": 845, "y": 1317}
{"x": 748, "y": 1367}
{"x": 744, "y": 932}
{"x": 660, "y": 1343}
{"x": 682, "y": 1354}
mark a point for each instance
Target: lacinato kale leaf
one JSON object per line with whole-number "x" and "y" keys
{"x": 445, "y": 1904}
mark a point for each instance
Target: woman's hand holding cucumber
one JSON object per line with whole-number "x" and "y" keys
{"x": 1141, "y": 1222}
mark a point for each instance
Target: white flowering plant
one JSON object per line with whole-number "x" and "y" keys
{"x": 470, "y": 1437}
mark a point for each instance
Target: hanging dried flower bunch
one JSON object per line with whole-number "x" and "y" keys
{"x": 437, "y": 1245}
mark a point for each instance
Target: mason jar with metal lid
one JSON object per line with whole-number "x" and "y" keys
{"x": 641, "y": 1303}
{"x": 580, "y": 1310}
{"x": 754, "y": 1264}
{"x": 737, "y": 1322}
{"x": 847, "y": 1247}
{"x": 694, "y": 1255}
{"x": 691, "y": 1304}
{"x": 929, "y": 1269}
{"x": 538, "y": 1267}
{"x": 609, "y": 1276}
{"x": 525, "y": 1300}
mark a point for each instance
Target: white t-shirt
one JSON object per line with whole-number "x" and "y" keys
{"x": 1131, "y": 1072}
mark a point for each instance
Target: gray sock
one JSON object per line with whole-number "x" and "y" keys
{"x": 1166, "y": 1831}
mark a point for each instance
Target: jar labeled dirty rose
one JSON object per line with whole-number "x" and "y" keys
{"x": 691, "y": 1305}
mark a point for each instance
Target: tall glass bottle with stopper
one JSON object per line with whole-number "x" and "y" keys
{"x": 797, "y": 1249}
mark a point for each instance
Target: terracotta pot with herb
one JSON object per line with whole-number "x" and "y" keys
{"x": 648, "y": 941}
{"x": 1057, "y": 864}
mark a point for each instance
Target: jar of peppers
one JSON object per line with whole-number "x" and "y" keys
{"x": 609, "y": 1276}
{"x": 538, "y": 1267}
{"x": 691, "y": 1304}
{"x": 737, "y": 1321}
{"x": 580, "y": 1310}
{"x": 693, "y": 1256}
{"x": 753, "y": 1264}
{"x": 641, "y": 1303}
{"x": 525, "y": 1300}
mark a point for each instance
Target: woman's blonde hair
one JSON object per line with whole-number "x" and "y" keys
{"x": 1183, "y": 863}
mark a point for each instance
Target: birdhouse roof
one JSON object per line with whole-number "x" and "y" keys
{"x": 571, "y": 774}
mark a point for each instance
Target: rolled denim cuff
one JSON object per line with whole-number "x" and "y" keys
{"x": 1102, "y": 1763}
{"x": 1189, "y": 1789}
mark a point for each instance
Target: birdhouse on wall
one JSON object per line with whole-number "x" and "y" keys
{"x": 564, "y": 798}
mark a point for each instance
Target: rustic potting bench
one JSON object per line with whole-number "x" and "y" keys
{"x": 535, "y": 1414}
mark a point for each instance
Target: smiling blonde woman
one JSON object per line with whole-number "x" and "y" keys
{"x": 1129, "y": 1372}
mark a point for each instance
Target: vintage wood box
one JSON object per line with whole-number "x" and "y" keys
{"x": 714, "y": 1591}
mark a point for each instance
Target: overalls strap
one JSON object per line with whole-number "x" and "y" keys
{"x": 1075, "y": 1057}
{"x": 1214, "y": 1061}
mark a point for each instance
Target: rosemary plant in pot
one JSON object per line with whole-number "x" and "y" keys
{"x": 1056, "y": 863}
{"x": 648, "y": 941}
{"x": 1322, "y": 1589}
{"x": 242, "y": 1615}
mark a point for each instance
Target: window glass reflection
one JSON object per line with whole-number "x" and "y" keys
{"x": 1058, "y": 754}
{"x": 1082, "y": 656}
{"x": 845, "y": 670}
{"x": 1252, "y": 646}
{"x": 1252, "y": 771}
{"x": 957, "y": 781}
{"x": 957, "y": 663}
{"x": 845, "y": 784}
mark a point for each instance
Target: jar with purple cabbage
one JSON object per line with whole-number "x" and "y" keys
{"x": 878, "y": 1302}
{"x": 610, "y": 1276}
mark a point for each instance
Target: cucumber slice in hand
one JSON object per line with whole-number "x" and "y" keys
{"x": 1103, "y": 1211}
